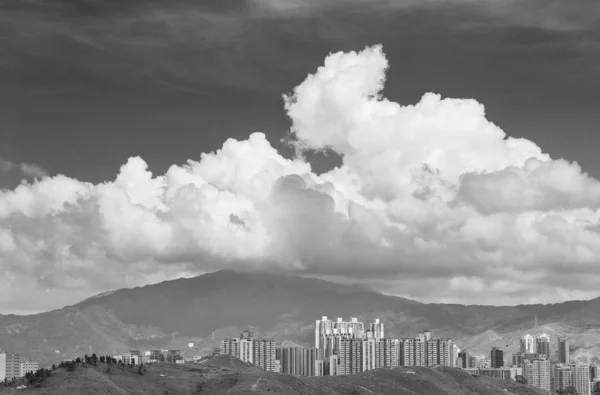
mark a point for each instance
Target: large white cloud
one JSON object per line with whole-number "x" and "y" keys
{"x": 432, "y": 201}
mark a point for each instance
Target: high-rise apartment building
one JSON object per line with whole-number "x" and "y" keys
{"x": 376, "y": 327}
{"x": 432, "y": 351}
{"x": 537, "y": 373}
{"x": 445, "y": 352}
{"x": 390, "y": 349}
{"x": 563, "y": 350}
{"x": 259, "y": 352}
{"x": 264, "y": 352}
{"x": 527, "y": 344}
{"x": 13, "y": 366}
{"x": 581, "y": 379}
{"x": 517, "y": 359}
{"x": 2, "y": 366}
{"x": 370, "y": 354}
{"x": 497, "y": 357}
{"x": 323, "y": 328}
{"x": 562, "y": 378}
{"x": 298, "y": 361}
{"x": 407, "y": 352}
{"x": 328, "y": 333}
{"x": 351, "y": 356}
{"x": 420, "y": 351}
{"x": 542, "y": 348}
{"x": 464, "y": 359}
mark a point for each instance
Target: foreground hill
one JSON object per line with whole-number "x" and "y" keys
{"x": 204, "y": 309}
{"x": 227, "y": 375}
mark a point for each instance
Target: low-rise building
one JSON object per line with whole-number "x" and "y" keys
{"x": 27, "y": 366}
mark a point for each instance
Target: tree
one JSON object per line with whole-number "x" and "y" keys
{"x": 95, "y": 358}
{"x": 102, "y": 359}
{"x": 53, "y": 367}
{"x": 140, "y": 370}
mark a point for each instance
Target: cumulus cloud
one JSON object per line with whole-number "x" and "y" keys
{"x": 431, "y": 201}
{"x": 29, "y": 170}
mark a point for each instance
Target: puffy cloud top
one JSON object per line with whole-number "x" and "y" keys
{"x": 432, "y": 201}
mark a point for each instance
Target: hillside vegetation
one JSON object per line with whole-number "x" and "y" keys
{"x": 228, "y": 375}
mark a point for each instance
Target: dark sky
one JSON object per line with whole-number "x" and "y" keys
{"x": 85, "y": 84}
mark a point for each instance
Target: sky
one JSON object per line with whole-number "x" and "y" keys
{"x": 444, "y": 151}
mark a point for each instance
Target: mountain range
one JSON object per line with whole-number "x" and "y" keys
{"x": 202, "y": 310}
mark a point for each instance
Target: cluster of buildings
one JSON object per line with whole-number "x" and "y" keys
{"x": 136, "y": 357}
{"x": 536, "y": 365}
{"x": 342, "y": 347}
{"x": 13, "y": 366}
{"x": 347, "y": 347}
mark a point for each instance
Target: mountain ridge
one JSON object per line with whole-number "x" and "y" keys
{"x": 206, "y": 308}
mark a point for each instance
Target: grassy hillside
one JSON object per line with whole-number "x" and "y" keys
{"x": 228, "y": 375}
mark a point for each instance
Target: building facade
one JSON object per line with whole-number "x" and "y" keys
{"x": 497, "y": 357}
{"x": 298, "y": 361}
{"x": 543, "y": 346}
{"x": 581, "y": 379}
{"x": 13, "y": 366}
{"x": 563, "y": 350}
{"x": 28, "y": 366}
{"x": 562, "y": 377}
{"x": 537, "y": 373}
{"x": 407, "y": 352}
{"x": 2, "y": 366}
{"x": 260, "y": 352}
{"x": 350, "y": 356}
{"x": 527, "y": 344}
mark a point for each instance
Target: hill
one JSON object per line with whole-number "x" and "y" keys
{"x": 204, "y": 309}
{"x": 225, "y": 375}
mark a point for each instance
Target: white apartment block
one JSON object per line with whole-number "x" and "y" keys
{"x": 581, "y": 379}
{"x": 13, "y": 368}
{"x": 370, "y": 354}
{"x": 376, "y": 327}
{"x": 246, "y": 350}
{"x": 528, "y": 344}
{"x": 27, "y": 366}
{"x": 2, "y": 366}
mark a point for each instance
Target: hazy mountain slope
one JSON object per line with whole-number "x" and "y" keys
{"x": 584, "y": 342}
{"x": 200, "y": 305}
{"x": 227, "y": 375}
{"x": 205, "y": 309}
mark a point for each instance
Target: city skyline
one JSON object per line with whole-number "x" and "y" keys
{"x": 351, "y": 346}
